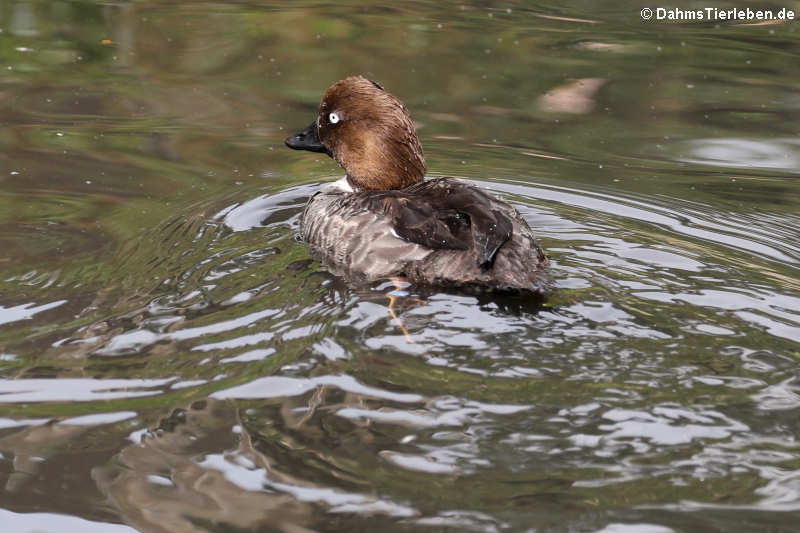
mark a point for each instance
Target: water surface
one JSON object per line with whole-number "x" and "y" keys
{"x": 171, "y": 359}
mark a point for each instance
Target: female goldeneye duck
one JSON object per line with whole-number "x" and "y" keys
{"x": 384, "y": 220}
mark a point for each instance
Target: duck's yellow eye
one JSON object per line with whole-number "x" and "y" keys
{"x": 333, "y": 118}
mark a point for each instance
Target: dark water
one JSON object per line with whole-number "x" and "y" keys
{"x": 172, "y": 360}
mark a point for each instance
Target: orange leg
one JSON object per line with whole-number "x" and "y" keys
{"x": 400, "y": 285}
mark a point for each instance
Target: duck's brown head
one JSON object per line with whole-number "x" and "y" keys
{"x": 368, "y": 132}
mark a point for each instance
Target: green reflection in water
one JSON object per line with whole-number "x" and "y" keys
{"x": 660, "y": 372}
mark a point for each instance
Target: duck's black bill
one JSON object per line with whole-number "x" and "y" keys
{"x": 308, "y": 139}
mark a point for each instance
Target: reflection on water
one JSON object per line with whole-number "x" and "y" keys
{"x": 173, "y": 360}
{"x": 47, "y": 522}
{"x": 783, "y": 154}
{"x": 78, "y": 390}
{"x": 25, "y": 311}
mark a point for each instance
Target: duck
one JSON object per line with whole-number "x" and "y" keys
{"x": 385, "y": 221}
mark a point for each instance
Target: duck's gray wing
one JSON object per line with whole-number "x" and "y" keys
{"x": 446, "y": 214}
